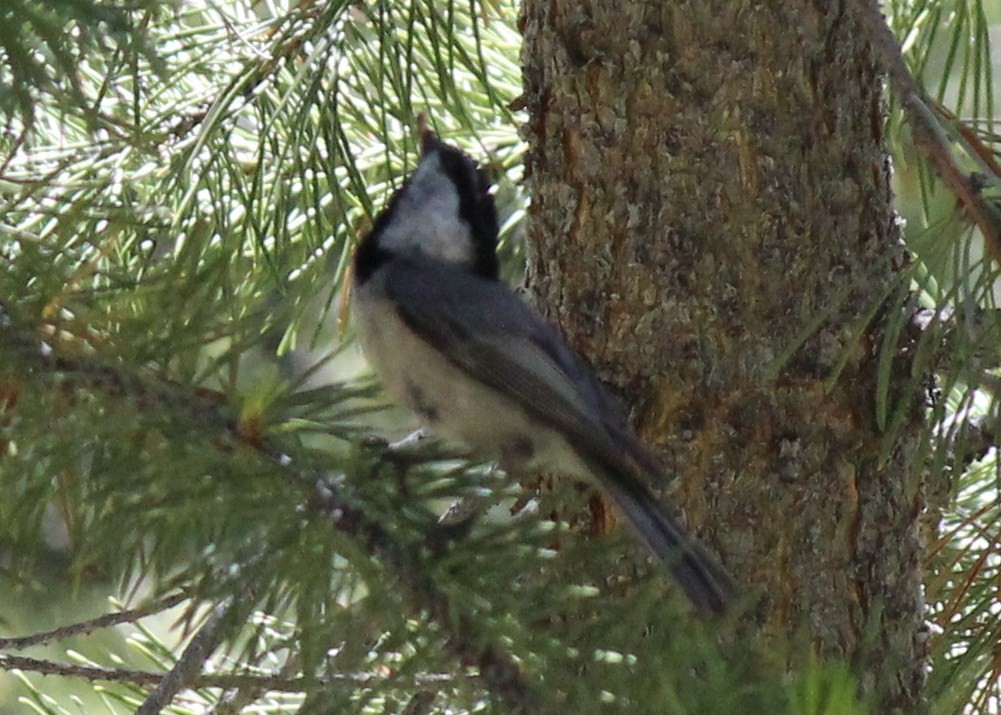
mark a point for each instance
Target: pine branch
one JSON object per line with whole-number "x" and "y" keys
{"x": 465, "y": 638}
{"x": 84, "y": 627}
{"x": 928, "y": 134}
{"x": 255, "y": 72}
{"x": 965, "y": 352}
{"x": 224, "y": 681}
{"x": 499, "y": 671}
{"x": 234, "y": 701}
{"x": 188, "y": 666}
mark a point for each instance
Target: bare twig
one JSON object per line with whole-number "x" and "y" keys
{"x": 188, "y": 666}
{"x": 234, "y": 701}
{"x": 225, "y": 681}
{"x": 75, "y": 629}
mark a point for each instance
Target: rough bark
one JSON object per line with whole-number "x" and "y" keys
{"x": 710, "y": 190}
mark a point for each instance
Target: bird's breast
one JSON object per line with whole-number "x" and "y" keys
{"x": 447, "y": 399}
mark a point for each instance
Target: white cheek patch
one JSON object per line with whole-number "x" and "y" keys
{"x": 426, "y": 221}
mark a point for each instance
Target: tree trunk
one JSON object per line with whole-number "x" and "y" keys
{"x": 711, "y": 224}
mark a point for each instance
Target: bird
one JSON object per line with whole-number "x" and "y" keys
{"x": 480, "y": 367}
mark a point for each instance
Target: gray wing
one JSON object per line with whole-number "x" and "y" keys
{"x": 486, "y": 330}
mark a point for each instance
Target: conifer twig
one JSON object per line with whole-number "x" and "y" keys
{"x": 464, "y": 639}
{"x": 83, "y": 627}
{"x": 236, "y": 699}
{"x": 224, "y": 681}
{"x": 189, "y": 665}
{"x": 928, "y": 134}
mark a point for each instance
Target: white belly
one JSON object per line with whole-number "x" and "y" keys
{"x": 448, "y": 401}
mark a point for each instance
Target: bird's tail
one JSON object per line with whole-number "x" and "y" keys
{"x": 698, "y": 573}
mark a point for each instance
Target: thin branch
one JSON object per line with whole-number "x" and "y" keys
{"x": 928, "y": 134}
{"x": 84, "y": 627}
{"x": 500, "y": 672}
{"x": 224, "y": 681}
{"x": 189, "y": 665}
{"x": 234, "y": 701}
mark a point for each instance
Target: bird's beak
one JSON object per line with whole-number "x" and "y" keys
{"x": 429, "y": 140}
